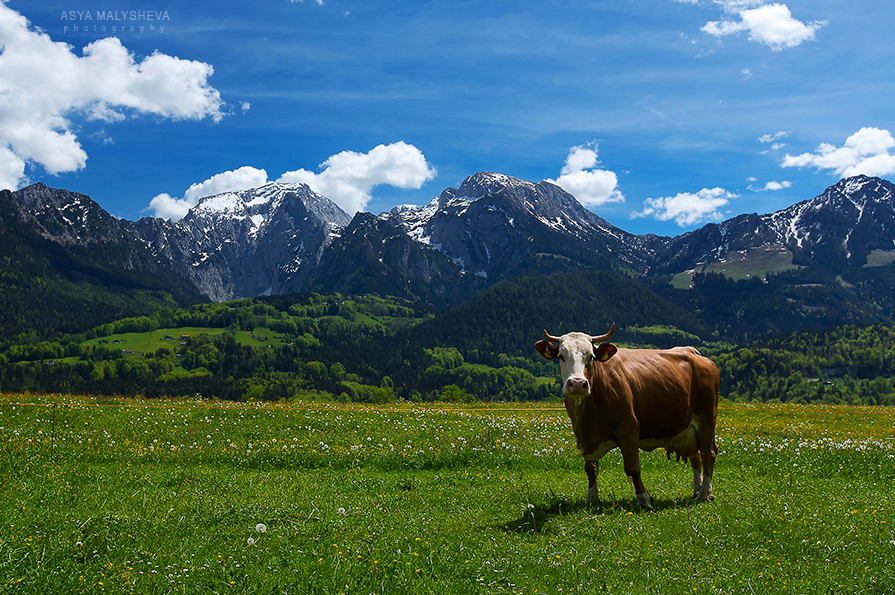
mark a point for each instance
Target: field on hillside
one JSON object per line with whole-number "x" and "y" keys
{"x": 135, "y": 496}
{"x": 744, "y": 264}
{"x": 151, "y": 341}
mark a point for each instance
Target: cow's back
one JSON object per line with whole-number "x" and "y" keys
{"x": 662, "y": 389}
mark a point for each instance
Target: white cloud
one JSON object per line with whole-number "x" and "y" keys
{"x": 687, "y": 208}
{"x": 168, "y": 207}
{"x": 770, "y": 24}
{"x": 229, "y": 181}
{"x": 44, "y": 83}
{"x": 592, "y": 187}
{"x": 12, "y": 169}
{"x": 769, "y": 138}
{"x": 865, "y": 152}
{"x": 777, "y": 185}
{"x": 347, "y": 178}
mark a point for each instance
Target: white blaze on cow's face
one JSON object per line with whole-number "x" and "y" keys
{"x": 576, "y": 352}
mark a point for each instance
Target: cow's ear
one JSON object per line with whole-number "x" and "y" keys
{"x": 604, "y": 351}
{"x": 547, "y": 349}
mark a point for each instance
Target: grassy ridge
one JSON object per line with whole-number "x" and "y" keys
{"x": 120, "y": 496}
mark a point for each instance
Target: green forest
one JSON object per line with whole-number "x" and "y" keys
{"x": 377, "y": 349}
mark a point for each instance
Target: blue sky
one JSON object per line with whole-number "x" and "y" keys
{"x": 659, "y": 115}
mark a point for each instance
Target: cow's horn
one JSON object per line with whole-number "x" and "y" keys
{"x": 605, "y": 337}
{"x": 550, "y": 337}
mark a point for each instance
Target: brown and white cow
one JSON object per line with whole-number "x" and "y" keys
{"x": 638, "y": 399}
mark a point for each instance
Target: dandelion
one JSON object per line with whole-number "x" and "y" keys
{"x": 250, "y": 541}
{"x": 260, "y": 527}
{"x": 341, "y": 511}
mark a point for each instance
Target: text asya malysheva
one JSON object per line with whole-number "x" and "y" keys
{"x": 115, "y": 15}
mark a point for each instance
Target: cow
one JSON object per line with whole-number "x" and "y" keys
{"x": 635, "y": 399}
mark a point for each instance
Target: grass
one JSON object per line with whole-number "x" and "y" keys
{"x": 879, "y": 258}
{"x": 742, "y": 264}
{"x": 151, "y": 341}
{"x": 756, "y": 262}
{"x": 121, "y": 496}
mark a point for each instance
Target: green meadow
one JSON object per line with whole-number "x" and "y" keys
{"x": 152, "y": 341}
{"x": 190, "y": 496}
{"x": 756, "y": 263}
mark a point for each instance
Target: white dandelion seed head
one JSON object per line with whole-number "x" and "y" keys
{"x": 260, "y": 527}
{"x": 341, "y": 511}
{"x": 250, "y": 541}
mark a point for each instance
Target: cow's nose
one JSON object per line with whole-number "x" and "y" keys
{"x": 576, "y": 385}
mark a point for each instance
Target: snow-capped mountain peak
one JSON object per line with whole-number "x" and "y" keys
{"x": 841, "y": 226}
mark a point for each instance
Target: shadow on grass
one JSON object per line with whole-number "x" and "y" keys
{"x": 535, "y": 519}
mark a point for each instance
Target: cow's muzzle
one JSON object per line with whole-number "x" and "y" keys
{"x": 576, "y": 387}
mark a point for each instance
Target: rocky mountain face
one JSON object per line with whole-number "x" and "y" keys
{"x": 66, "y": 265}
{"x": 841, "y": 227}
{"x": 263, "y": 241}
{"x": 493, "y": 223}
{"x": 90, "y": 235}
{"x": 281, "y": 238}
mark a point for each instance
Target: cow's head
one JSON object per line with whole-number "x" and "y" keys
{"x": 576, "y": 352}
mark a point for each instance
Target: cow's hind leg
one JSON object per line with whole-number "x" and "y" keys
{"x": 708, "y": 466}
{"x": 696, "y": 464}
{"x": 592, "y": 468}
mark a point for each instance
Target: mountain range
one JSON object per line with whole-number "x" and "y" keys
{"x": 282, "y": 238}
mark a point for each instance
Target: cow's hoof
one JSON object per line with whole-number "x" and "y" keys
{"x": 592, "y": 498}
{"x": 643, "y": 501}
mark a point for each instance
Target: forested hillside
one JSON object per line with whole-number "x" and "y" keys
{"x": 815, "y": 298}
{"x": 848, "y": 364}
{"x": 372, "y": 349}
{"x": 48, "y": 289}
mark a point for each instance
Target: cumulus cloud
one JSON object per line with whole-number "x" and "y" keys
{"x": 687, "y": 208}
{"x": 770, "y": 24}
{"x": 168, "y": 207}
{"x": 580, "y": 178}
{"x": 347, "y": 179}
{"x": 868, "y": 152}
{"x": 45, "y": 84}
{"x": 774, "y": 185}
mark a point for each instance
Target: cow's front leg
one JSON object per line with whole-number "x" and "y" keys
{"x": 592, "y": 468}
{"x": 631, "y": 457}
